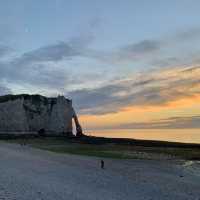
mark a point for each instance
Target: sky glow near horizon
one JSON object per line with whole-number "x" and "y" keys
{"x": 125, "y": 64}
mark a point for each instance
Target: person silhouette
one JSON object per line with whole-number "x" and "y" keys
{"x": 102, "y": 164}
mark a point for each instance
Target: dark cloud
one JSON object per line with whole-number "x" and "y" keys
{"x": 160, "y": 52}
{"x": 142, "y": 47}
{"x": 95, "y": 100}
{"x": 55, "y": 52}
{"x": 169, "y": 123}
{"x": 76, "y": 46}
{"x": 4, "y": 90}
{"x": 35, "y": 67}
{"x": 134, "y": 51}
{"x": 39, "y": 76}
{"x": 152, "y": 89}
{"x": 40, "y": 67}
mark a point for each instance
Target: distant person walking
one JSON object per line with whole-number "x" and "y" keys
{"x": 102, "y": 164}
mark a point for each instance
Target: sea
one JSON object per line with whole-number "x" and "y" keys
{"x": 172, "y": 135}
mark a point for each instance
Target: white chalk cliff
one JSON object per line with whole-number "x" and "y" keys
{"x": 32, "y": 113}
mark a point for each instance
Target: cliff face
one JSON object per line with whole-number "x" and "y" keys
{"x": 31, "y": 113}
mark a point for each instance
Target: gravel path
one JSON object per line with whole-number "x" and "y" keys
{"x": 32, "y": 174}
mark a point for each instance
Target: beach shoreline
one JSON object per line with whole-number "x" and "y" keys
{"x": 32, "y": 173}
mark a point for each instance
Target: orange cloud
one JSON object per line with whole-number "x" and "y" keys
{"x": 183, "y": 107}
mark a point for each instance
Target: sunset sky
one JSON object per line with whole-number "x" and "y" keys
{"x": 125, "y": 63}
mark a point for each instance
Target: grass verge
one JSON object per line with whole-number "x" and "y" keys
{"x": 111, "y": 150}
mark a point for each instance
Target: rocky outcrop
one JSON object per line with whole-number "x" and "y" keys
{"x": 32, "y": 113}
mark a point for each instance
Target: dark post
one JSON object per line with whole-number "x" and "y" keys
{"x": 102, "y": 164}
